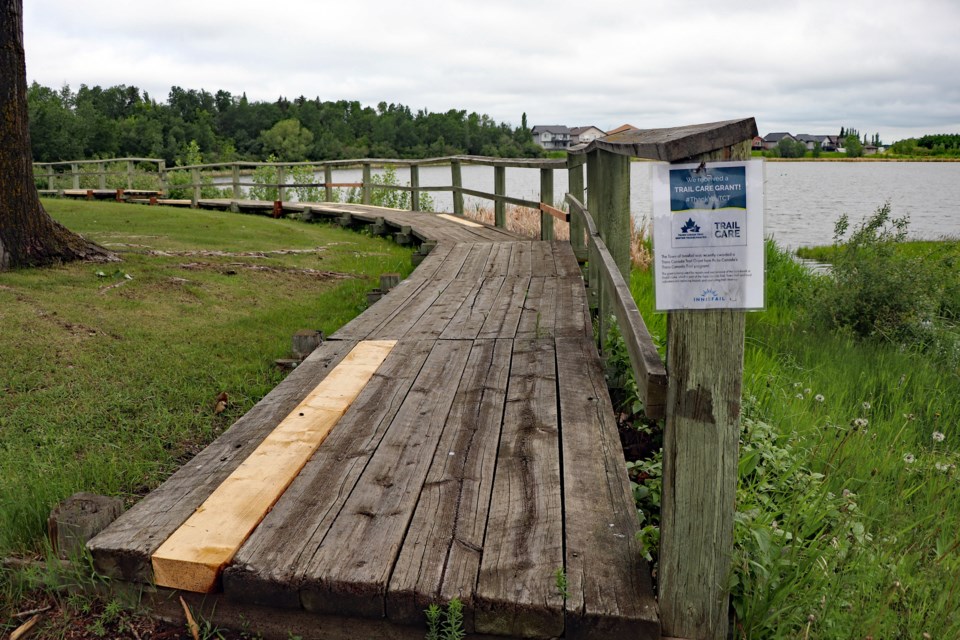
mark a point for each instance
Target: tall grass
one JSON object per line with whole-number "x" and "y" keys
{"x": 848, "y": 514}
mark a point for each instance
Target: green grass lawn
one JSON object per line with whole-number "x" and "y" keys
{"x": 110, "y": 371}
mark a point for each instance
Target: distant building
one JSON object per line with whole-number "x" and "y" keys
{"x": 621, "y": 129}
{"x": 811, "y": 141}
{"x": 552, "y": 137}
{"x": 757, "y": 143}
{"x": 585, "y": 135}
{"x": 771, "y": 140}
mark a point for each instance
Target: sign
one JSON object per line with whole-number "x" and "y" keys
{"x": 708, "y": 235}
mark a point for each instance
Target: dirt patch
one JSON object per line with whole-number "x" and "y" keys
{"x": 232, "y": 268}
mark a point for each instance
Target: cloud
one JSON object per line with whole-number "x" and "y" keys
{"x": 880, "y": 65}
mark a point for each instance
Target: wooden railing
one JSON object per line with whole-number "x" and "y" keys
{"x": 697, "y": 392}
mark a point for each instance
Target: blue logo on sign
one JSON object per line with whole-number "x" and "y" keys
{"x": 690, "y": 226}
{"x": 709, "y": 295}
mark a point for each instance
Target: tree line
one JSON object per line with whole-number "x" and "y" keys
{"x": 122, "y": 121}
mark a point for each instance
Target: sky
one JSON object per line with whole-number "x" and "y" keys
{"x": 801, "y": 66}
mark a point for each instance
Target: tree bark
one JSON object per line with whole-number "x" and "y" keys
{"x": 28, "y": 235}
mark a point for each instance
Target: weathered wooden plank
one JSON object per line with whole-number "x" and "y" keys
{"x": 608, "y": 581}
{"x": 565, "y": 260}
{"x": 499, "y": 262}
{"x": 459, "y": 220}
{"x": 516, "y": 592}
{"x": 440, "y": 557}
{"x": 351, "y": 568}
{"x": 542, "y": 262}
{"x": 539, "y": 316}
{"x": 440, "y": 266}
{"x": 573, "y": 313}
{"x": 265, "y": 570}
{"x": 504, "y": 315}
{"x": 471, "y": 315}
{"x": 124, "y": 548}
{"x": 674, "y": 144}
{"x": 192, "y": 558}
{"x": 521, "y": 260}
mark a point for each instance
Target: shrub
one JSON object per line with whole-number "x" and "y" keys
{"x": 877, "y": 290}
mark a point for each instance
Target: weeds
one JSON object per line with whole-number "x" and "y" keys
{"x": 445, "y": 624}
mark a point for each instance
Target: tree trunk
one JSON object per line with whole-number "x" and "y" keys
{"x": 28, "y": 235}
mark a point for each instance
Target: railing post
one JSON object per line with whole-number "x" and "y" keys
{"x": 608, "y": 175}
{"x": 414, "y": 187}
{"x": 235, "y": 180}
{"x": 195, "y": 179}
{"x": 546, "y": 197}
{"x": 75, "y": 174}
{"x": 457, "y": 179}
{"x": 500, "y": 189}
{"x": 281, "y": 180}
{"x": 365, "y": 190}
{"x": 129, "y": 174}
{"x": 327, "y": 181}
{"x": 701, "y": 436}
{"x": 51, "y": 180}
{"x": 102, "y": 175}
{"x": 162, "y": 174}
{"x": 575, "y": 188}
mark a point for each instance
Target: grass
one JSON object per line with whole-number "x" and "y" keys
{"x": 111, "y": 371}
{"x": 848, "y": 522}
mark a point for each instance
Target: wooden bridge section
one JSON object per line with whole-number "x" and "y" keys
{"x": 480, "y": 461}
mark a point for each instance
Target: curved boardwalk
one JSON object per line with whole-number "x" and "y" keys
{"x": 480, "y": 460}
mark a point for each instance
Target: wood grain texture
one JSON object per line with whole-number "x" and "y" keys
{"x": 674, "y": 144}
{"x": 440, "y": 558}
{"x": 351, "y": 567}
{"x": 523, "y": 548}
{"x": 192, "y": 558}
{"x": 267, "y": 568}
{"x": 610, "y": 594}
{"x": 124, "y": 548}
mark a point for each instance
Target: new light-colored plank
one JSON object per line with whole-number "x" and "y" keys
{"x": 191, "y": 559}
{"x": 459, "y": 220}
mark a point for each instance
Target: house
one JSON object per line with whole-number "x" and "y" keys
{"x": 621, "y": 129}
{"x": 771, "y": 140}
{"x": 552, "y": 137}
{"x": 584, "y": 135}
{"x": 757, "y": 143}
{"x": 811, "y": 141}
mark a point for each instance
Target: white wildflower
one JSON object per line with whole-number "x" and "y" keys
{"x": 866, "y": 406}
{"x": 909, "y": 458}
{"x": 860, "y": 423}
{"x": 938, "y": 436}
{"x": 942, "y": 466}
{"x": 799, "y": 396}
{"x": 807, "y": 391}
{"x": 797, "y": 385}
{"x": 819, "y": 397}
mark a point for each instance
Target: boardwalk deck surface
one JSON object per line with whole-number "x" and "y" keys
{"x": 479, "y": 462}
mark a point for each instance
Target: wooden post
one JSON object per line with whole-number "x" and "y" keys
{"x": 457, "y": 179}
{"x": 281, "y": 180}
{"x": 195, "y": 179}
{"x": 705, "y": 373}
{"x": 575, "y": 188}
{"x": 51, "y": 180}
{"x": 327, "y": 181}
{"x": 75, "y": 174}
{"x": 366, "y": 190}
{"x": 102, "y": 175}
{"x": 415, "y": 187}
{"x": 235, "y": 179}
{"x": 500, "y": 189}
{"x": 162, "y": 173}
{"x": 129, "y": 174}
{"x": 546, "y": 197}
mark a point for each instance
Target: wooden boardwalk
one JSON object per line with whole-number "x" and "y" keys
{"x": 479, "y": 461}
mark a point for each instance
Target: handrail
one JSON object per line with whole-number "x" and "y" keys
{"x": 648, "y": 368}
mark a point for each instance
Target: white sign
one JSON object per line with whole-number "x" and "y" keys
{"x": 708, "y": 235}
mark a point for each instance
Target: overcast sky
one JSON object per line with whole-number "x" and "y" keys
{"x": 804, "y": 66}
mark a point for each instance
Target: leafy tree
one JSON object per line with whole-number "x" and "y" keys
{"x": 788, "y": 148}
{"x": 288, "y": 139}
{"x": 28, "y": 235}
{"x": 853, "y": 146}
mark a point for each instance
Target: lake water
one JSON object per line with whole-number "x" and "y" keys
{"x": 803, "y": 199}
